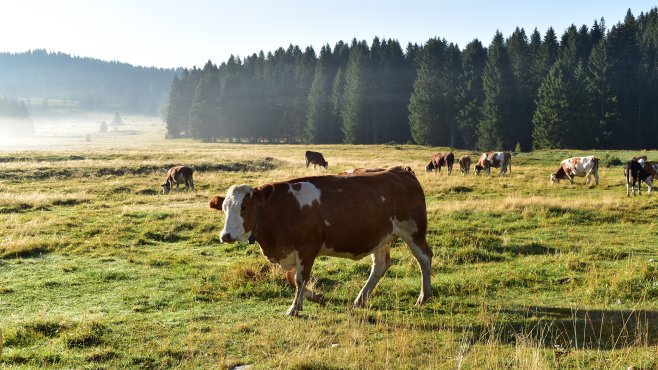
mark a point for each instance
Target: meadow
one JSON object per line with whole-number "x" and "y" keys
{"x": 98, "y": 270}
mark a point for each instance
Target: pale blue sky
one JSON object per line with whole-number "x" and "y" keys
{"x": 170, "y": 33}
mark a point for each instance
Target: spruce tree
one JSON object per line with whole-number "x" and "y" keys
{"x": 204, "y": 112}
{"x": 354, "y": 114}
{"x": 427, "y": 106}
{"x": 497, "y": 108}
{"x": 470, "y": 93}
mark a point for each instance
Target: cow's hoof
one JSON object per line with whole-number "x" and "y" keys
{"x": 292, "y": 311}
{"x": 320, "y": 299}
{"x": 422, "y": 299}
{"x": 359, "y": 303}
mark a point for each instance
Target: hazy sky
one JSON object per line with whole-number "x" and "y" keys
{"x": 173, "y": 33}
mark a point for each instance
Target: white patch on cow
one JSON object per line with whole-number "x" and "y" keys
{"x": 326, "y": 222}
{"x": 404, "y": 228}
{"x": 306, "y": 195}
{"x": 383, "y": 199}
{"x": 288, "y": 262}
{"x": 234, "y": 224}
{"x": 350, "y": 172}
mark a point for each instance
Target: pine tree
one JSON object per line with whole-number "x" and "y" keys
{"x": 470, "y": 93}
{"x": 204, "y": 112}
{"x": 427, "y": 106}
{"x": 353, "y": 113}
{"x": 320, "y": 120}
{"x": 497, "y": 108}
{"x": 519, "y": 54}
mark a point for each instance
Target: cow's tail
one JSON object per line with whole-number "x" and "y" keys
{"x": 627, "y": 172}
{"x": 510, "y": 164}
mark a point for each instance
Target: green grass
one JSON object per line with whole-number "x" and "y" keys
{"x": 97, "y": 270}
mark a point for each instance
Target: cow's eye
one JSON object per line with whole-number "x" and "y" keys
{"x": 243, "y": 208}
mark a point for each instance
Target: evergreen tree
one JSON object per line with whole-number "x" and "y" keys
{"x": 204, "y": 111}
{"x": 427, "y": 106}
{"x": 603, "y": 99}
{"x": 519, "y": 54}
{"x": 354, "y": 114}
{"x": 497, "y": 108}
{"x": 321, "y": 123}
{"x": 470, "y": 93}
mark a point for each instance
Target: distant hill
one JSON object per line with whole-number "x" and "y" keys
{"x": 90, "y": 84}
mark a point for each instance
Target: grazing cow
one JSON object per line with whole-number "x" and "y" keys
{"x": 634, "y": 172}
{"x": 439, "y": 160}
{"x": 343, "y": 216}
{"x": 577, "y": 166}
{"x": 178, "y": 175}
{"x": 494, "y": 159}
{"x": 316, "y": 158}
{"x": 464, "y": 164}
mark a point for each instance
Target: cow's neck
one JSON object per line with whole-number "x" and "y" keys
{"x": 252, "y": 237}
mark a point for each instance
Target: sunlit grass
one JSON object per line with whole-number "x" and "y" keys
{"x": 97, "y": 269}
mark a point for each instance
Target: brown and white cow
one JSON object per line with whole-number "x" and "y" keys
{"x": 439, "y": 160}
{"x": 494, "y": 159}
{"x": 577, "y": 166}
{"x": 178, "y": 175}
{"x": 315, "y": 158}
{"x": 298, "y": 220}
{"x": 464, "y": 164}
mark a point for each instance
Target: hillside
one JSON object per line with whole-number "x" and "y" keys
{"x": 91, "y": 84}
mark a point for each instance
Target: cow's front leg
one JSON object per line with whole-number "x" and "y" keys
{"x": 381, "y": 261}
{"x": 302, "y": 276}
{"x": 308, "y": 293}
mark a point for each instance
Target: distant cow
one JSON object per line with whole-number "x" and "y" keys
{"x": 316, "y": 158}
{"x": 635, "y": 173}
{"x": 341, "y": 216}
{"x": 465, "y": 164}
{"x": 577, "y": 166}
{"x": 494, "y": 159}
{"x": 439, "y": 160}
{"x": 178, "y": 175}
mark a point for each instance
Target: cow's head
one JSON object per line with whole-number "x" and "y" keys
{"x": 554, "y": 179}
{"x": 325, "y": 164}
{"x": 241, "y": 209}
{"x": 166, "y": 187}
{"x": 478, "y": 169}
{"x": 430, "y": 166}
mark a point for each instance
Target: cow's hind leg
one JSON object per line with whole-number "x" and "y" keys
{"x": 308, "y": 293}
{"x": 423, "y": 254}
{"x": 381, "y": 261}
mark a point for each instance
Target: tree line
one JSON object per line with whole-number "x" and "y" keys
{"x": 15, "y": 119}
{"x": 95, "y": 84}
{"x": 591, "y": 88}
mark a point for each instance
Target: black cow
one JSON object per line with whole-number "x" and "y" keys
{"x": 635, "y": 172}
{"x": 316, "y": 158}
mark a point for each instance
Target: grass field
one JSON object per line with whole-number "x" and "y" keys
{"x": 97, "y": 270}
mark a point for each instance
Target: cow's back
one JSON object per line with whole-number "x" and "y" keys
{"x": 346, "y": 214}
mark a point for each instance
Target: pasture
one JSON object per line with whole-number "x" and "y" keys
{"x": 98, "y": 270}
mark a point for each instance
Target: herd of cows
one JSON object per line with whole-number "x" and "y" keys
{"x": 358, "y": 213}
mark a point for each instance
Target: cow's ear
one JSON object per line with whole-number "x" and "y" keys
{"x": 262, "y": 193}
{"x": 216, "y": 202}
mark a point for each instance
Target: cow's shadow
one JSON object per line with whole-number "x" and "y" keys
{"x": 553, "y": 327}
